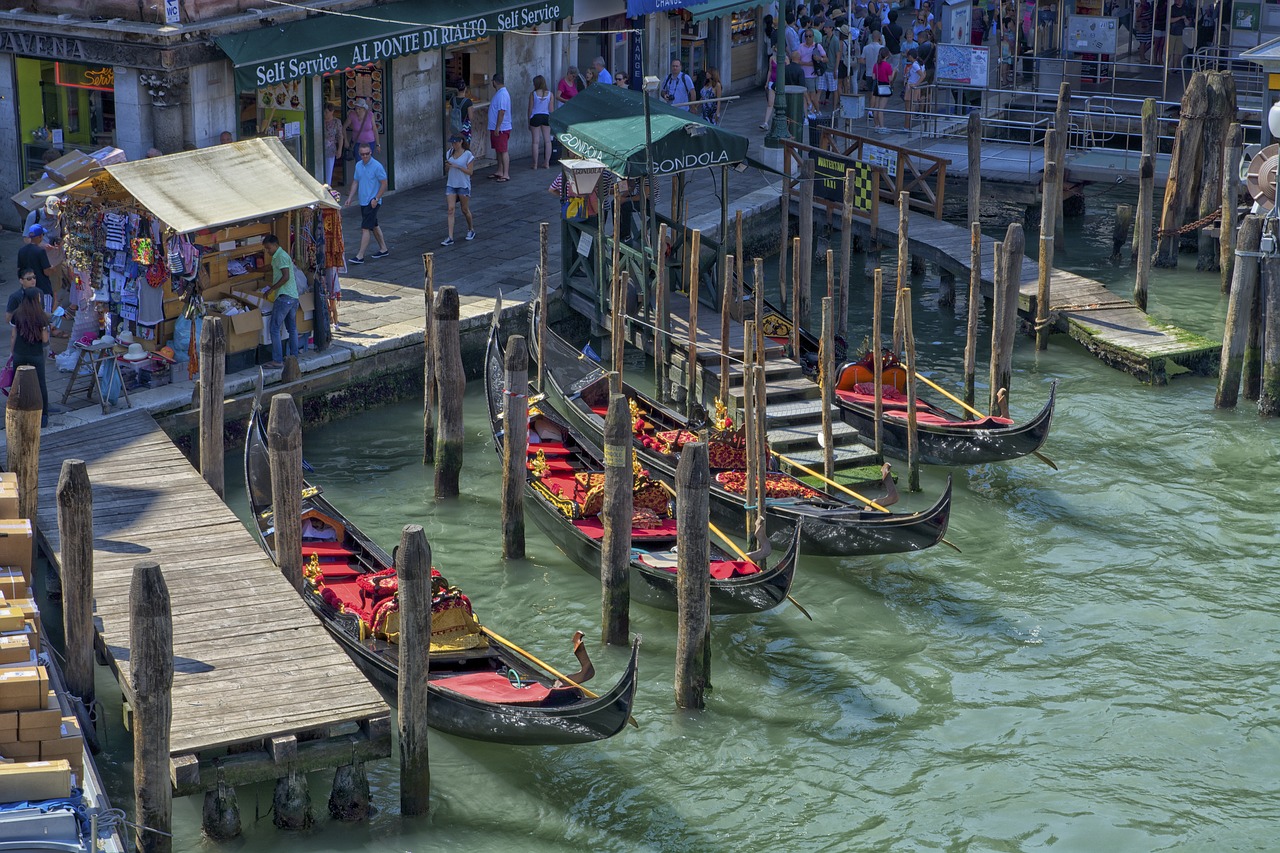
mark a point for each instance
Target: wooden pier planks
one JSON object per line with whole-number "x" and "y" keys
{"x": 252, "y": 662}
{"x": 1108, "y": 325}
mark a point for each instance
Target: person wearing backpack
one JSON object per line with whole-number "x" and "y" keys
{"x": 677, "y": 90}
{"x": 459, "y": 106}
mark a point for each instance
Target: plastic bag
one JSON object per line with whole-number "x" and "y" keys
{"x": 109, "y": 377}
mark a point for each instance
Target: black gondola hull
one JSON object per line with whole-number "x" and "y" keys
{"x": 956, "y": 446}
{"x": 580, "y": 721}
{"x": 839, "y": 532}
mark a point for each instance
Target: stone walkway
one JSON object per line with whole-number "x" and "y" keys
{"x": 382, "y": 299}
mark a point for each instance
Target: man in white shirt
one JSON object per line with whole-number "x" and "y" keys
{"x": 677, "y": 88}
{"x": 602, "y": 73}
{"x": 500, "y": 128}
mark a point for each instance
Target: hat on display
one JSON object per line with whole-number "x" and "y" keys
{"x": 105, "y": 341}
{"x": 36, "y": 231}
{"x": 126, "y": 337}
{"x": 167, "y": 352}
{"x": 135, "y": 353}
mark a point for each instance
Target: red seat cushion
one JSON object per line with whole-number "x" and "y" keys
{"x": 493, "y": 687}
{"x": 326, "y": 551}
{"x": 550, "y": 448}
{"x": 725, "y": 569}
{"x": 594, "y": 528}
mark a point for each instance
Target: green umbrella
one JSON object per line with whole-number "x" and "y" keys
{"x": 606, "y": 123}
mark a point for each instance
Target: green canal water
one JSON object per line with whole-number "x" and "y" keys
{"x": 1096, "y": 670}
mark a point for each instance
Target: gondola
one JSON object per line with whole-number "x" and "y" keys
{"x": 944, "y": 438}
{"x": 830, "y": 525}
{"x": 479, "y": 688}
{"x": 564, "y": 492}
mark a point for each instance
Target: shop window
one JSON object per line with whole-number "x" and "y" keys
{"x": 62, "y": 107}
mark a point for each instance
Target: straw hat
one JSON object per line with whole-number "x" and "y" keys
{"x": 135, "y": 353}
{"x": 167, "y": 352}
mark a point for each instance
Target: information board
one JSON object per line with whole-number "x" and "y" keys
{"x": 963, "y": 65}
{"x": 885, "y": 158}
{"x": 828, "y": 174}
{"x": 1092, "y": 34}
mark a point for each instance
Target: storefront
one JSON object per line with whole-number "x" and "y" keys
{"x": 733, "y": 37}
{"x": 62, "y": 107}
{"x": 286, "y": 74}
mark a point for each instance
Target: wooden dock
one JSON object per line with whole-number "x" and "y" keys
{"x": 1109, "y": 326}
{"x": 254, "y": 671}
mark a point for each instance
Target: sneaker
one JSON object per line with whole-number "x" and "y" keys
{"x": 381, "y": 254}
{"x": 355, "y": 260}
{"x": 471, "y": 235}
{"x": 447, "y": 241}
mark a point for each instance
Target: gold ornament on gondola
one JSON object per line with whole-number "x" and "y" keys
{"x": 538, "y": 467}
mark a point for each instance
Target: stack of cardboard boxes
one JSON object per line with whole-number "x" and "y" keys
{"x": 40, "y": 739}
{"x": 65, "y": 170}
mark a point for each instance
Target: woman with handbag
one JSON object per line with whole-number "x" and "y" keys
{"x": 883, "y": 74}
{"x": 30, "y": 334}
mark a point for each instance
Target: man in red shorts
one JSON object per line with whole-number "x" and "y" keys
{"x": 500, "y": 128}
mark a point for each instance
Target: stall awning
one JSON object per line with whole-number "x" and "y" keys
{"x": 329, "y": 43}
{"x": 640, "y": 8}
{"x": 220, "y": 185}
{"x": 606, "y": 123}
{"x": 720, "y": 8}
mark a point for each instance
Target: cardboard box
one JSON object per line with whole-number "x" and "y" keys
{"x": 68, "y": 749}
{"x": 39, "y": 725}
{"x": 9, "y": 491}
{"x": 72, "y": 167}
{"x": 13, "y": 583}
{"x": 11, "y": 619}
{"x": 307, "y": 302}
{"x": 8, "y": 726}
{"x": 109, "y": 156}
{"x": 15, "y": 547}
{"x": 22, "y": 688}
{"x": 14, "y": 648}
{"x": 27, "y": 200}
{"x": 28, "y": 633}
{"x": 16, "y": 750}
{"x": 35, "y": 780}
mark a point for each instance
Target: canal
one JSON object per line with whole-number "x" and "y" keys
{"x": 1094, "y": 672}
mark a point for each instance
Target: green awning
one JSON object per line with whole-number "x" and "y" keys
{"x": 329, "y": 43}
{"x": 606, "y": 123}
{"x": 720, "y": 8}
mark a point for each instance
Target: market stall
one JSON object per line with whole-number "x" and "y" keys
{"x": 156, "y": 245}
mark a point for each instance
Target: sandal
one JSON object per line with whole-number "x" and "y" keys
{"x": 58, "y": 333}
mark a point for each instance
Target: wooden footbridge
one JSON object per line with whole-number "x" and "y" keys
{"x": 259, "y": 687}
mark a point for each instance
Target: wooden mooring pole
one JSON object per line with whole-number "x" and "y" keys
{"x": 428, "y": 360}
{"x": 1121, "y": 230}
{"x": 1217, "y": 124}
{"x": 803, "y": 314}
{"x": 22, "y": 417}
{"x": 452, "y": 382}
{"x": 1062, "y": 124}
{"x": 827, "y": 375}
{"x": 974, "y": 138}
{"x": 413, "y": 574}
{"x": 796, "y": 322}
{"x": 726, "y": 312}
{"x": 749, "y": 423}
{"x": 1182, "y": 185}
{"x": 1231, "y": 157}
{"x": 1146, "y": 203}
{"x": 913, "y": 433}
{"x": 877, "y": 359}
{"x": 1004, "y": 329}
{"x": 662, "y": 336}
{"x": 615, "y": 552}
{"x": 75, "y": 537}
{"x": 151, "y": 680}
{"x": 846, "y": 257}
{"x": 213, "y": 372}
{"x": 1240, "y": 306}
{"x": 784, "y": 264}
{"x": 284, "y": 450}
{"x": 693, "y": 397}
{"x": 904, "y": 262}
{"x": 515, "y": 442}
{"x": 738, "y": 261}
{"x": 543, "y": 308}
{"x": 693, "y": 577}
{"x": 1269, "y": 391}
{"x": 1052, "y": 189}
{"x": 975, "y": 305}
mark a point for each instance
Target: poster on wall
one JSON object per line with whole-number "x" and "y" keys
{"x": 1092, "y": 34}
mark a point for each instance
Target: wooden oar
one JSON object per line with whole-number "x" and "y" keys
{"x": 733, "y": 546}
{"x": 848, "y": 491}
{"x": 971, "y": 410}
{"x": 488, "y": 632}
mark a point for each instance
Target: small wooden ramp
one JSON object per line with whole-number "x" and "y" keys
{"x": 252, "y": 665}
{"x": 1115, "y": 330}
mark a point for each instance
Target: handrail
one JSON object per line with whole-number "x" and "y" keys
{"x": 914, "y": 169}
